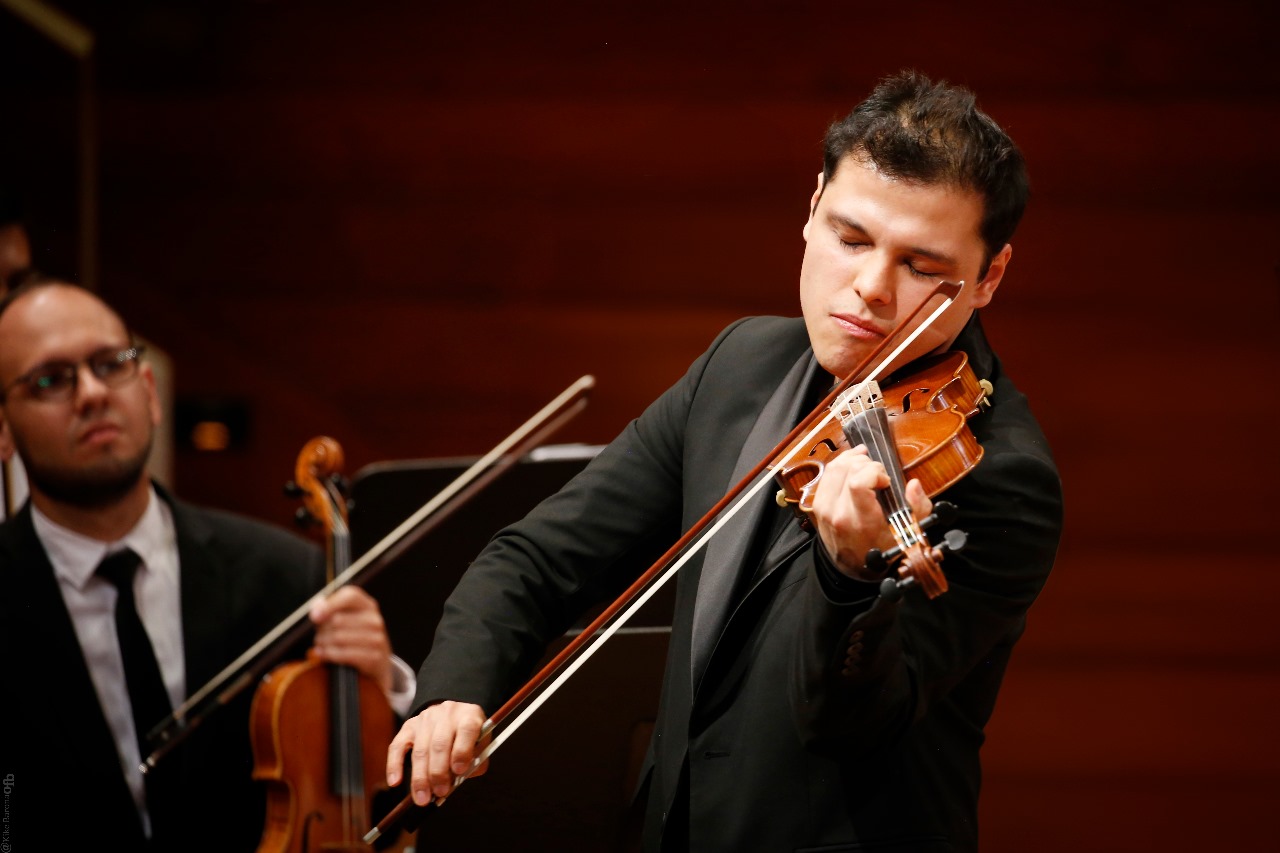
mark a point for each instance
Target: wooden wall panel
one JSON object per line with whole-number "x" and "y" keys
{"x": 408, "y": 225}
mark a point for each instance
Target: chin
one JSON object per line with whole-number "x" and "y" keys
{"x": 840, "y": 362}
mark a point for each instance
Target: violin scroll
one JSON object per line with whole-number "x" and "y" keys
{"x": 319, "y": 483}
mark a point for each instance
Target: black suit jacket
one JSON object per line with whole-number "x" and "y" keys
{"x": 239, "y": 579}
{"x": 791, "y": 716}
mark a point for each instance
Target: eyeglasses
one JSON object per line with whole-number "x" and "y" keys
{"x": 57, "y": 380}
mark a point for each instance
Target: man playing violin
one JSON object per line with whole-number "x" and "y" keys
{"x": 80, "y": 408}
{"x": 806, "y": 704}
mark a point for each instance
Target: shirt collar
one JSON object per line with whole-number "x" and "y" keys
{"x": 75, "y": 557}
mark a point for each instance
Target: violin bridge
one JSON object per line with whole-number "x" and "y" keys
{"x": 857, "y": 399}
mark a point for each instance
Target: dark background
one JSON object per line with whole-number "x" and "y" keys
{"x": 409, "y": 225}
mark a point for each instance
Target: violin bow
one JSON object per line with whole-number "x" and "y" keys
{"x": 254, "y": 662}
{"x": 613, "y": 617}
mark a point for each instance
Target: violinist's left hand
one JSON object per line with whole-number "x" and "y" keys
{"x": 847, "y": 514}
{"x": 350, "y": 630}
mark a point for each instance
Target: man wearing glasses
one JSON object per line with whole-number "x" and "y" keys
{"x": 78, "y": 404}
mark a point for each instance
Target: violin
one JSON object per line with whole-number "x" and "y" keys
{"x": 926, "y": 427}
{"x": 256, "y": 661}
{"x": 917, "y": 427}
{"x": 320, "y": 730}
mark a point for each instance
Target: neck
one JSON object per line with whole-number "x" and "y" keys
{"x": 105, "y": 523}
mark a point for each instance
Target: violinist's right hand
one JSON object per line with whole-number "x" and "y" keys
{"x": 443, "y": 741}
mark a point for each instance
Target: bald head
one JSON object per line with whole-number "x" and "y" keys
{"x": 77, "y": 407}
{"x": 48, "y": 308}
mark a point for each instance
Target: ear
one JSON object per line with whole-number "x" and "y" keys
{"x": 153, "y": 398}
{"x": 986, "y": 288}
{"x": 6, "y": 440}
{"x": 813, "y": 208}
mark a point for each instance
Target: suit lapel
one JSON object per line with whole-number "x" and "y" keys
{"x": 205, "y": 607}
{"x": 727, "y": 552}
{"x": 59, "y": 679}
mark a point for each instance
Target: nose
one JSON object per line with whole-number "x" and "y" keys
{"x": 89, "y": 388}
{"x": 874, "y": 281}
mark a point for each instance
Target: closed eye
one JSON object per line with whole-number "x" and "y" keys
{"x": 854, "y": 243}
{"x": 919, "y": 273}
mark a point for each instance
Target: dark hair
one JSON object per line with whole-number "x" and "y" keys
{"x": 913, "y": 129}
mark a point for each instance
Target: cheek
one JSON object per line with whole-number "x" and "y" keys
{"x": 940, "y": 335}
{"x": 812, "y": 276}
{"x": 29, "y": 439}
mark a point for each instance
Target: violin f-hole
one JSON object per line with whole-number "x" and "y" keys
{"x": 906, "y": 398}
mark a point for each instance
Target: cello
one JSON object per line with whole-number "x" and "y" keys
{"x": 320, "y": 730}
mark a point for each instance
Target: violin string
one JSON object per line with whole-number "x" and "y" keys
{"x": 873, "y": 434}
{"x": 236, "y": 675}
{"x": 652, "y": 587}
{"x": 345, "y": 744}
{"x": 571, "y": 667}
{"x": 917, "y": 535}
{"x": 510, "y": 726}
{"x": 860, "y": 405}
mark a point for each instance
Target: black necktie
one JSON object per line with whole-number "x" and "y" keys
{"x": 147, "y": 694}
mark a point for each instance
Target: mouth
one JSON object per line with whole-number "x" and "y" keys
{"x": 857, "y": 327}
{"x": 98, "y": 434}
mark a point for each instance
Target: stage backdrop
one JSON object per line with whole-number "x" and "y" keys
{"x": 409, "y": 225}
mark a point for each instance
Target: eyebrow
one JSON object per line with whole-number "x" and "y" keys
{"x": 940, "y": 257}
{"x": 59, "y": 362}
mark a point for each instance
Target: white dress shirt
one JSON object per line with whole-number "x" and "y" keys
{"x": 14, "y": 487}
{"x": 91, "y": 602}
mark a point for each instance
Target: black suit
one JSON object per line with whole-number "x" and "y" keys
{"x": 763, "y": 742}
{"x": 239, "y": 579}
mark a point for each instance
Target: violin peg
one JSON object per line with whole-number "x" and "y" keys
{"x": 954, "y": 540}
{"x": 984, "y": 401}
{"x": 944, "y": 513}
{"x": 292, "y": 490}
{"x": 892, "y": 589}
